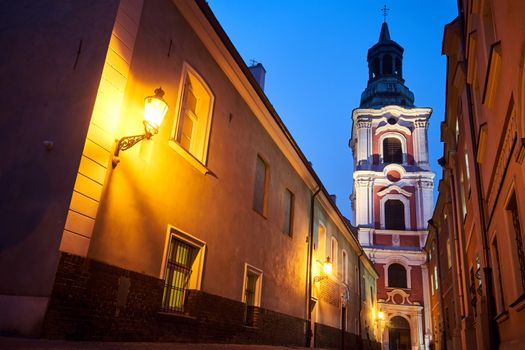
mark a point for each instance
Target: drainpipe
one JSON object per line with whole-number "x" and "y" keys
{"x": 309, "y": 278}
{"x": 440, "y": 290}
{"x": 487, "y": 270}
{"x": 359, "y": 338}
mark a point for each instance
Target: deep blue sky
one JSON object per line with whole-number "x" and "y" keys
{"x": 314, "y": 53}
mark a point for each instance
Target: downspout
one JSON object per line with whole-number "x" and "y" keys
{"x": 309, "y": 278}
{"x": 440, "y": 290}
{"x": 487, "y": 270}
{"x": 359, "y": 338}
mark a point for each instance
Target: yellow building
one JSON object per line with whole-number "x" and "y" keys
{"x": 208, "y": 226}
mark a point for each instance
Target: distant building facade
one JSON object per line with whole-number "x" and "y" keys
{"x": 480, "y": 206}
{"x": 392, "y": 197}
{"x": 215, "y": 229}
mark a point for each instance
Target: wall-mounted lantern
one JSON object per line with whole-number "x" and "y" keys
{"x": 327, "y": 270}
{"x": 155, "y": 109}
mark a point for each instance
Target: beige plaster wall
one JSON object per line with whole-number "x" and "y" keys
{"x": 154, "y": 186}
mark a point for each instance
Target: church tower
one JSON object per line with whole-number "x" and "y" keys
{"x": 392, "y": 195}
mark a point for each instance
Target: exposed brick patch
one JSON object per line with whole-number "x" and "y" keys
{"x": 329, "y": 292}
{"x": 95, "y": 301}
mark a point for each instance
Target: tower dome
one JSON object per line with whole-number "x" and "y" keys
{"x": 386, "y": 85}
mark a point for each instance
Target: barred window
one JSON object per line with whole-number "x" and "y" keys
{"x": 392, "y": 151}
{"x": 252, "y": 294}
{"x": 514, "y": 217}
{"x": 180, "y": 259}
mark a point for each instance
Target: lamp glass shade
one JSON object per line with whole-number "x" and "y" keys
{"x": 155, "y": 109}
{"x": 327, "y": 267}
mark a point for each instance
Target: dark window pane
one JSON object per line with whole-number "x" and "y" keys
{"x": 394, "y": 215}
{"x": 392, "y": 151}
{"x": 397, "y": 276}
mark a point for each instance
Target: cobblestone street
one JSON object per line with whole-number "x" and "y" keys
{"x": 31, "y": 344}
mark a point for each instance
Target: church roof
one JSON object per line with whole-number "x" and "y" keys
{"x": 385, "y": 33}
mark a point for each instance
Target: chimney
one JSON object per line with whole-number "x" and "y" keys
{"x": 258, "y": 73}
{"x": 334, "y": 198}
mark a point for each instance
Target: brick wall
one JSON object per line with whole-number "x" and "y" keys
{"x": 95, "y": 301}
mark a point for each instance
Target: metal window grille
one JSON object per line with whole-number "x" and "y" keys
{"x": 519, "y": 241}
{"x": 178, "y": 272}
{"x": 392, "y": 152}
{"x": 249, "y": 292}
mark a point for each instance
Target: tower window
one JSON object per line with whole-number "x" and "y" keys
{"x": 397, "y": 276}
{"x": 387, "y": 64}
{"x": 392, "y": 151}
{"x": 394, "y": 215}
{"x": 398, "y": 67}
{"x": 375, "y": 68}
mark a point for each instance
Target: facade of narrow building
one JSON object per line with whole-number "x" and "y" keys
{"x": 482, "y": 211}
{"x": 208, "y": 225}
{"x": 392, "y": 197}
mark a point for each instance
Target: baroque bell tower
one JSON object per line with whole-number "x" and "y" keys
{"x": 392, "y": 195}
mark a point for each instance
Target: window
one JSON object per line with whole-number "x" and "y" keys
{"x": 183, "y": 270}
{"x": 462, "y": 194}
{"x": 449, "y": 255}
{"x": 193, "y": 124}
{"x": 251, "y": 293}
{"x": 392, "y": 151}
{"x": 260, "y": 187}
{"x": 500, "y": 299}
{"x": 288, "y": 212}
{"x": 394, "y": 215}
{"x": 387, "y": 64}
{"x": 515, "y": 224}
{"x": 397, "y": 276}
{"x": 333, "y": 254}
{"x": 436, "y": 279}
{"x": 467, "y": 168}
{"x": 432, "y": 283}
{"x": 345, "y": 267}
{"x": 321, "y": 243}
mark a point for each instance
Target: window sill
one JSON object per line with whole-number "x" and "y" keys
{"x": 502, "y": 316}
{"x": 197, "y": 164}
{"x": 519, "y": 303}
{"x": 167, "y": 314}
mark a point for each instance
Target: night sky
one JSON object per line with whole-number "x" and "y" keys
{"x": 315, "y": 52}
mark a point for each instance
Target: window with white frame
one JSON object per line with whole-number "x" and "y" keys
{"x": 194, "y": 119}
{"x": 251, "y": 292}
{"x": 183, "y": 269}
{"x": 333, "y": 254}
{"x": 345, "y": 266}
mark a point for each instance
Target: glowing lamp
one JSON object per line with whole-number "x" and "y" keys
{"x": 327, "y": 266}
{"x": 381, "y": 315}
{"x": 155, "y": 109}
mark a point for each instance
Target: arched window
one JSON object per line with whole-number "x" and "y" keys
{"x": 397, "y": 276}
{"x": 394, "y": 215}
{"x": 387, "y": 64}
{"x": 333, "y": 253}
{"x": 392, "y": 150}
{"x": 375, "y": 67}
{"x": 398, "y": 70}
{"x": 345, "y": 267}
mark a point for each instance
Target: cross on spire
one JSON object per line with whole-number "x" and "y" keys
{"x": 385, "y": 12}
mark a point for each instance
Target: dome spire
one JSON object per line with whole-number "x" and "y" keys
{"x": 385, "y": 33}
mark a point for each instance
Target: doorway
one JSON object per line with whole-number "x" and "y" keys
{"x": 399, "y": 334}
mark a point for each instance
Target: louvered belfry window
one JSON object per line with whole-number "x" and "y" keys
{"x": 394, "y": 215}
{"x": 397, "y": 276}
{"x": 392, "y": 151}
